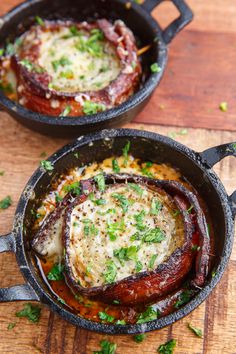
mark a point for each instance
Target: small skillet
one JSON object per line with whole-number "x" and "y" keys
{"x": 137, "y": 18}
{"x": 196, "y": 167}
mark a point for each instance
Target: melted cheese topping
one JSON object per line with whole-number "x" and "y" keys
{"x": 100, "y": 234}
{"x": 72, "y": 67}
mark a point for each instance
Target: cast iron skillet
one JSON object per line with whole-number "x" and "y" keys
{"x": 196, "y": 167}
{"x": 145, "y": 28}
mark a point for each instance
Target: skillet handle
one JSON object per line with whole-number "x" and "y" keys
{"x": 17, "y": 292}
{"x": 215, "y": 154}
{"x": 186, "y": 16}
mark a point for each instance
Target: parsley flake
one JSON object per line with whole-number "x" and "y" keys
{"x": 56, "y": 273}
{"x": 66, "y": 111}
{"x": 125, "y": 151}
{"x": 115, "y": 166}
{"x": 105, "y": 317}
{"x": 149, "y": 315}
{"x": 183, "y": 298}
{"x": 123, "y": 201}
{"x": 90, "y": 107}
{"x": 168, "y": 347}
{"x": 155, "y": 68}
{"x": 126, "y": 253}
{"x": 73, "y": 188}
{"x": 6, "y": 202}
{"x": 139, "y": 338}
{"x": 155, "y": 206}
{"x": 47, "y": 165}
{"x": 39, "y": 21}
{"x": 100, "y": 180}
{"x": 106, "y": 348}
{"x": 195, "y": 330}
{"x": 30, "y": 311}
{"x": 152, "y": 261}
{"x": 11, "y": 325}
{"x": 111, "y": 272}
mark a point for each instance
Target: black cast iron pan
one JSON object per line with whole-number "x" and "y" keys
{"x": 145, "y": 28}
{"x": 196, "y": 167}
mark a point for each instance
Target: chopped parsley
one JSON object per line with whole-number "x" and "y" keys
{"x": 139, "y": 220}
{"x": 152, "y": 261}
{"x": 11, "y": 325}
{"x": 58, "y": 198}
{"x": 120, "y": 322}
{"x": 139, "y": 338}
{"x": 10, "y": 49}
{"x": 105, "y": 317}
{"x": 155, "y": 206}
{"x": 39, "y": 21}
{"x": 155, "y": 235}
{"x": 1, "y": 173}
{"x": 90, "y": 229}
{"x": 111, "y": 272}
{"x": 56, "y": 273}
{"x": 125, "y": 151}
{"x": 139, "y": 190}
{"x": 47, "y": 165}
{"x": 30, "y": 311}
{"x": 63, "y": 61}
{"x": 168, "y": 347}
{"x": 113, "y": 229}
{"x": 7, "y": 88}
{"x": 6, "y": 202}
{"x": 195, "y": 248}
{"x": 92, "y": 44}
{"x": 145, "y": 171}
{"x": 73, "y": 188}
{"x": 126, "y": 253}
{"x": 90, "y": 107}
{"x": 183, "y": 298}
{"x": 138, "y": 266}
{"x": 123, "y": 201}
{"x": 66, "y": 111}
{"x": 1, "y": 52}
{"x": 223, "y": 106}
{"x": 149, "y": 315}
{"x": 155, "y": 68}
{"x": 100, "y": 180}
{"x": 195, "y": 330}
{"x": 27, "y": 64}
{"x": 115, "y": 166}
{"x": 190, "y": 209}
{"x": 106, "y": 348}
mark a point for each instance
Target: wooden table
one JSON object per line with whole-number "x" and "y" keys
{"x": 200, "y": 74}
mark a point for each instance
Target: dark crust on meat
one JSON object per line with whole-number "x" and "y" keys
{"x": 36, "y": 95}
{"x": 151, "y": 285}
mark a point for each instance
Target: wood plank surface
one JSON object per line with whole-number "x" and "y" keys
{"x": 199, "y": 76}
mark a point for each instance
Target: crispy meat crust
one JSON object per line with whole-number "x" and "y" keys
{"x": 34, "y": 93}
{"x": 147, "y": 286}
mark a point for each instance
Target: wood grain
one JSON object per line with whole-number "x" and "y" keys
{"x": 199, "y": 76}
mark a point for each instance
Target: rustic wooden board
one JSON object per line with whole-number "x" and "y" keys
{"x": 201, "y": 68}
{"x": 199, "y": 76}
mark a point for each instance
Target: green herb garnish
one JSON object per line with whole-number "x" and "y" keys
{"x": 168, "y": 347}
{"x": 39, "y": 21}
{"x": 120, "y": 322}
{"x": 115, "y": 166}
{"x": 139, "y": 190}
{"x": 7, "y": 88}
{"x": 126, "y": 253}
{"x": 123, "y": 201}
{"x": 100, "y": 180}
{"x": 2, "y": 173}
{"x": 139, "y": 338}
{"x": 114, "y": 228}
{"x": 66, "y": 111}
{"x": 90, "y": 230}
{"x": 111, "y": 272}
{"x": 125, "y": 151}
{"x": 27, "y": 64}
{"x": 56, "y": 273}
{"x": 183, "y": 298}
{"x": 105, "y": 317}
{"x": 155, "y": 68}
{"x": 11, "y": 325}
{"x": 149, "y": 315}
{"x": 195, "y": 330}
{"x": 73, "y": 188}
{"x": 58, "y": 198}
{"x": 106, "y": 348}
{"x": 138, "y": 266}
{"x": 155, "y": 206}
{"x": 47, "y": 165}
{"x": 152, "y": 261}
{"x": 90, "y": 107}
{"x": 6, "y": 202}
{"x": 63, "y": 61}
{"x": 223, "y": 106}
{"x": 155, "y": 235}
{"x": 30, "y": 311}
{"x": 139, "y": 221}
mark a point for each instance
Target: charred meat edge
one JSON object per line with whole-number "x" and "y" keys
{"x": 35, "y": 85}
{"x": 150, "y": 285}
